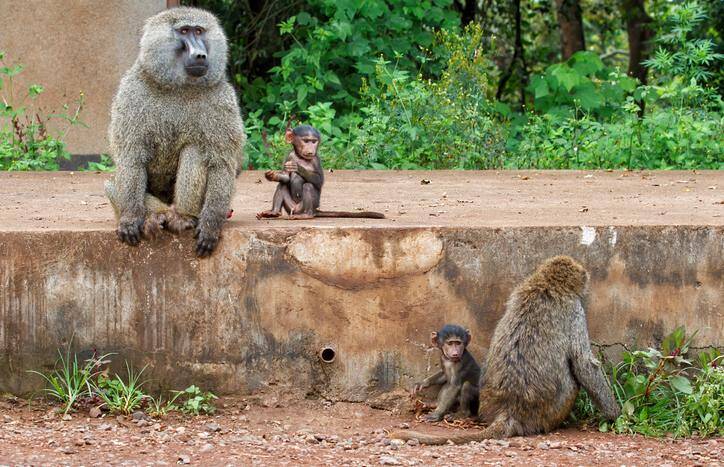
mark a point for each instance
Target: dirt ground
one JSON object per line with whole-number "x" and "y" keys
{"x": 75, "y": 200}
{"x": 308, "y": 432}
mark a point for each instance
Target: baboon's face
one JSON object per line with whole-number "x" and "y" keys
{"x": 451, "y": 343}
{"x": 193, "y": 49}
{"x": 453, "y": 348}
{"x": 306, "y": 146}
{"x": 183, "y": 47}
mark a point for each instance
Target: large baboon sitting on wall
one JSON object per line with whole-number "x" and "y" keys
{"x": 176, "y": 134}
{"x": 538, "y": 359}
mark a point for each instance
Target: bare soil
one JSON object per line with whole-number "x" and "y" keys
{"x": 75, "y": 200}
{"x": 308, "y": 432}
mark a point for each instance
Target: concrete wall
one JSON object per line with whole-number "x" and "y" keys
{"x": 69, "y": 46}
{"x": 257, "y": 312}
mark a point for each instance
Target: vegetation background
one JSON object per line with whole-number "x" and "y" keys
{"x": 456, "y": 84}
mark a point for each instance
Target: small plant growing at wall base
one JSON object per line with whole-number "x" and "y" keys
{"x": 122, "y": 396}
{"x": 194, "y": 401}
{"x": 70, "y": 381}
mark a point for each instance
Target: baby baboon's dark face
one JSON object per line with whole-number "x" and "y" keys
{"x": 306, "y": 146}
{"x": 453, "y": 348}
{"x": 193, "y": 48}
{"x": 452, "y": 341}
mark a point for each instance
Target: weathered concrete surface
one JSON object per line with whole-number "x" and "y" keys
{"x": 73, "y": 46}
{"x": 258, "y": 311}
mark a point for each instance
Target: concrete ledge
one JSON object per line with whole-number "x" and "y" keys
{"x": 259, "y": 310}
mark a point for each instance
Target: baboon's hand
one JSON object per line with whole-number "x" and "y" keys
{"x": 129, "y": 230}
{"x": 271, "y": 175}
{"x": 206, "y": 241}
{"x": 417, "y": 388}
{"x": 291, "y": 166}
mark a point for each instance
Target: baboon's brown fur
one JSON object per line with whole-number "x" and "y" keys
{"x": 538, "y": 359}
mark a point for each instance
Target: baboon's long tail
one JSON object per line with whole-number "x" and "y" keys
{"x": 356, "y": 214}
{"x": 498, "y": 429}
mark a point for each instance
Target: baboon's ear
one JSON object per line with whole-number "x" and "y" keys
{"x": 289, "y": 135}
{"x": 433, "y": 339}
{"x": 468, "y": 337}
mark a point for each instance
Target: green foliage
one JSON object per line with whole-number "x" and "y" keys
{"x": 415, "y": 123}
{"x": 160, "y": 407}
{"x": 663, "y": 393}
{"x": 333, "y": 45}
{"x": 194, "y": 401}
{"x": 665, "y": 138}
{"x": 122, "y": 396}
{"x": 679, "y": 54}
{"x": 589, "y": 116}
{"x": 25, "y": 141}
{"x": 105, "y": 164}
{"x": 70, "y": 381}
{"x": 407, "y": 121}
{"x": 581, "y": 84}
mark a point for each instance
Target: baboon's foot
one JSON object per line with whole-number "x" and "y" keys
{"x": 268, "y": 214}
{"x": 300, "y": 217}
{"x": 153, "y": 225}
{"x": 178, "y": 223}
{"x": 432, "y": 417}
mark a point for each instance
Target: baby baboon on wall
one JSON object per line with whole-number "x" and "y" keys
{"x": 176, "y": 134}
{"x": 538, "y": 359}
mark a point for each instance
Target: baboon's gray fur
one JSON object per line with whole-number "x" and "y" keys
{"x": 175, "y": 138}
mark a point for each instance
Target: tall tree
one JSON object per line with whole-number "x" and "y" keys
{"x": 468, "y": 10}
{"x": 518, "y": 58}
{"x": 570, "y": 22}
{"x": 640, "y": 33}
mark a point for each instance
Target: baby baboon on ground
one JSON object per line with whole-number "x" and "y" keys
{"x": 538, "y": 359}
{"x": 176, "y": 134}
{"x": 459, "y": 375}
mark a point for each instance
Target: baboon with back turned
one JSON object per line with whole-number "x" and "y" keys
{"x": 176, "y": 134}
{"x": 538, "y": 359}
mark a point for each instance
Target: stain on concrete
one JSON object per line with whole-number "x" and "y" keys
{"x": 358, "y": 258}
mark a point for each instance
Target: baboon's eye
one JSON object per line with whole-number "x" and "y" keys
{"x": 199, "y": 31}
{"x": 184, "y": 31}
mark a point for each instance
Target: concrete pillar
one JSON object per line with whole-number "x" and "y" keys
{"x": 69, "y": 46}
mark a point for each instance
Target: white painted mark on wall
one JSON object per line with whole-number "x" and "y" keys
{"x": 613, "y": 236}
{"x": 588, "y": 235}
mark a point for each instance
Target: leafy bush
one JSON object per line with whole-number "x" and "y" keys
{"x": 588, "y": 117}
{"x": 679, "y": 54}
{"x": 406, "y": 121}
{"x": 416, "y": 123}
{"x": 662, "y": 392}
{"x": 683, "y": 138}
{"x": 333, "y": 45}
{"x": 104, "y": 165}
{"x": 581, "y": 84}
{"x": 25, "y": 141}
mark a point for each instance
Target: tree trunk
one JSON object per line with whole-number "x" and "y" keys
{"x": 518, "y": 56}
{"x": 570, "y": 22}
{"x": 468, "y": 10}
{"x": 638, "y": 25}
